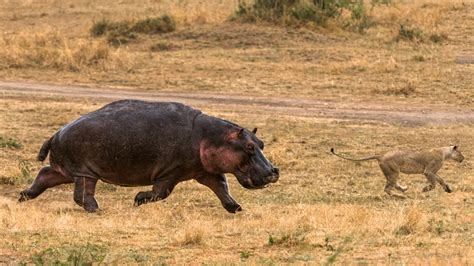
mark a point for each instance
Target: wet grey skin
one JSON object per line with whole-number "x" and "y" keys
{"x": 158, "y": 144}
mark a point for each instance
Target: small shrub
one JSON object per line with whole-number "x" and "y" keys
{"x": 409, "y": 34}
{"x": 161, "y": 24}
{"x": 303, "y": 11}
{"x": 122, "y": 32}
{"x": 100, "y": 28}
{"x": 10, "y": 143}
{"x": 438, "y": 38}
{"x": 307, "y": 12}
{"x": 360, "y": 20}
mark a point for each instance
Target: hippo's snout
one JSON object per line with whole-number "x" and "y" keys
{"x": 274, "y": 176}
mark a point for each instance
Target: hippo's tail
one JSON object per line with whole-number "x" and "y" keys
{"x": 43, "y": 153}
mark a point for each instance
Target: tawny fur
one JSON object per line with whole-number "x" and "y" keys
{"x": 427, "y": 163}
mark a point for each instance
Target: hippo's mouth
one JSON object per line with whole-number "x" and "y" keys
{"x": 246, "y": 181}
{"x": 249, "y": 181}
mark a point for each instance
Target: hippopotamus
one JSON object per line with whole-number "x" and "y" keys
{"x": 159, "y": 144}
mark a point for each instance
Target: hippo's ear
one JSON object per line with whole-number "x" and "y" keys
{"x": 254, "y": 131}
{"x": 234, "y": 134}
{"x": 241, "y": 133}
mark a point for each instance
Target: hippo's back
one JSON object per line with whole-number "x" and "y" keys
{"x": 125, "y": 142}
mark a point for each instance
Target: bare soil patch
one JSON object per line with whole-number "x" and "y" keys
{"x": 299, "y": 107}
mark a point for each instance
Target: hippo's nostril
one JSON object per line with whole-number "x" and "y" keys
{"x": 275, "y": 171}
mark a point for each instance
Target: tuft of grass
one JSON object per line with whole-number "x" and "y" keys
{"x": 74, "y": 255}
{"x": 23, "y": 178}
{"x": 419, "y": 58}
{"x": 193, "y": 237}
{"x": 122, "y": 32}
{"x": 288, "y": 240}
{"x": 331, "y": 259}
{"x": 137, "y": 256}
{"x": 245, "y": 254}
{"x": 52, "y": 50}
{"x": 409, "y": 33}
{"x": 415, "y": 34}
{"x": 436, "y": 226}
{"x": 10, "y": 143}
{"x": 407, "y": 90}
{"x": 25, "y": 170}
{"x": 163, "y": 24}
{"x": 438, "y": 37}
{"x": 161, "y": 46}
{"x": 412, "y": 220}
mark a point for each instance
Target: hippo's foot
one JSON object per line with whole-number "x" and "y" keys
{"x": 232, "y": 207}
{"x": 23, "y": 196}
{"x": 144, "y": 197}
{"x": 447, "y": 188}
{"x": 89, "y": 204}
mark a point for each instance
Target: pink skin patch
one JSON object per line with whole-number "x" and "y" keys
{"x": 218, "y": 160}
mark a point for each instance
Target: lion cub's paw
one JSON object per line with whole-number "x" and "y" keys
{"x": 448, "y": 189}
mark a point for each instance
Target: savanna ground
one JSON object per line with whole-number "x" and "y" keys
{"x": 323, "y": 209}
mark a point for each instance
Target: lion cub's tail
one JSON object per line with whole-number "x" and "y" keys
{"x": 376, "y": 157}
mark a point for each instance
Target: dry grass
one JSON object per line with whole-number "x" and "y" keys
{"x": 207, "y": 53}
{"x": 51, "y": 50}
{"x": 323, "y": 209}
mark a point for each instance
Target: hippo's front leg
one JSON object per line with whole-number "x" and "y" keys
{"x": 161, "y": 189}
{"x": 218, "y": 184}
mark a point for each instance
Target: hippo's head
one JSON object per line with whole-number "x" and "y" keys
{"x": 240, "y": 153}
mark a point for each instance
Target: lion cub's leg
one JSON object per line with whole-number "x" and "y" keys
{"x": 430, "y": 173}
{"x": 433, "y": 178}
{"x": 391, "y": 175}
{"x": 400, "y": 187}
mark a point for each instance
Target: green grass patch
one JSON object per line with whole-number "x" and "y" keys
{"x": 74, "y": 255}
{"x": 10, "y": 143}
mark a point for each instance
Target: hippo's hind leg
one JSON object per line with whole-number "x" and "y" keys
{"x": 84, "y": 190}
{"x": 46, "y": 178}
{"x": 161, "y": 190}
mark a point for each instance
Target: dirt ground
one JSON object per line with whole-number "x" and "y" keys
{"x": 307, "y": 89}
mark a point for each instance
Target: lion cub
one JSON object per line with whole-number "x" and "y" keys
{"x": 424, "y": 162}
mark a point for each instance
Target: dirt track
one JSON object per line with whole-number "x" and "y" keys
{"x": 298, "y": 107}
